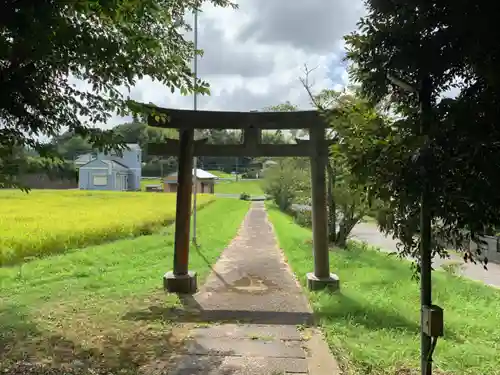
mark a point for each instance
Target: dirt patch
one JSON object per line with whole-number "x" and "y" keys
{"x": 253, "y": 284}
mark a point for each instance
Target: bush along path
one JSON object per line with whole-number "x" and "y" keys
{"x": 262, "y": 317}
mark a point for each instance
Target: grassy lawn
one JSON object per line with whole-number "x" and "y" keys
{"x": 252, "y": 187}
{"x": 372, "y": 325}
{"x": 150, "y": 181}
{"x": 50, "y": 221}
{"x": 82, "y": 308}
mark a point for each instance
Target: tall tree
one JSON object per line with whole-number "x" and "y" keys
{"x": 396, "y": 39}
{"x": 348, "y": 199}
{"x": 46, "y": 46}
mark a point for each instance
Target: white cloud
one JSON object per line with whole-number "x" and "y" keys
{"x": 253, "y": 56}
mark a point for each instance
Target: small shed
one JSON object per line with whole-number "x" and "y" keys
{"x": 205, "y": 182}
{"x": 269, "y": 164}
{"x": 104, "y": 175}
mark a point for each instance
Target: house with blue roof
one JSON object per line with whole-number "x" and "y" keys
{"x": 111, "y": 171}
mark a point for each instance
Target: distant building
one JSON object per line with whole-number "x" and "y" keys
{"x": 84, "y": 159}
{"x": 100, "y": 171}
{"x": 205, "y": 182}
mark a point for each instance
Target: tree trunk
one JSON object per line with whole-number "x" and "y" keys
{"x": 345, "y": 227}
{"x": 341, "y": 237}
{"x": 332, "y": 207}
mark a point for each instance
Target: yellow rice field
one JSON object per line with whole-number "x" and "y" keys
{"x": 50, "y": 221}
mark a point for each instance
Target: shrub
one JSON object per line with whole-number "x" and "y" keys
{"x": 244, "y": 196}
{"x": 303, "y": 217}
{"x": 285, "y": 181}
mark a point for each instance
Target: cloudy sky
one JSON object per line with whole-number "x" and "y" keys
{"x": 254, "y": 56}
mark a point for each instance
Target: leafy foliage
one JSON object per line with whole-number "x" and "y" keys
{"x": 303, "y": 216}
{"x": 348, "y": 201}
{"x": 458, "y": 155}
{"x": 287, "y": 181}
{"x": 53, "y": 167}
{"x": 67, "y": 64}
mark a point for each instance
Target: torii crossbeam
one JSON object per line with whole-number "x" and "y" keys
{"x": 183, "y": 280}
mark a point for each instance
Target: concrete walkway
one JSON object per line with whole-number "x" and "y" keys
{"x": 256, "y": 313}
{"x": 369, "y": 233}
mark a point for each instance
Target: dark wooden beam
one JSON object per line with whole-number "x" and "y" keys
{"x": 190, "y": 119}
{"x": 172, "y": 148}
{"x": 252, "y": 137}
{"x": 183, "y": 208}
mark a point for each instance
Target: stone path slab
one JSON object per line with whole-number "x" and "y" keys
{"x": 245, "y": 331}
{"x": 226, "y": 365}
{"x": 256, "y": 308}
{"x": 246, "y": 347}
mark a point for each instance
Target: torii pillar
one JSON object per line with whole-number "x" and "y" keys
{"x": 181, "y": 279}
{"x": 321, "y": 278}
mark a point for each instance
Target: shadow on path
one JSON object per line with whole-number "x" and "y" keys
{"x": 192, "y": 312}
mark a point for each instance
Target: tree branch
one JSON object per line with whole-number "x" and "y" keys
{"x": 308, "y": 86}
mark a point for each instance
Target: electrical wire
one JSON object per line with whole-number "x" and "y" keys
{"x": 431, "y": 350}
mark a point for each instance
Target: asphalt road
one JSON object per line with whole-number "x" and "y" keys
{"x": 369, "y": 233}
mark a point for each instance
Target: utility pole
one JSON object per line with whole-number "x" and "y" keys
{"x": 425, "y": 224}
{"x": 431, "y": 316}
{"x": 195, "y": 107}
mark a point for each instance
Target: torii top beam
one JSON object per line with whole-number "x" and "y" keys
{"x": 189, "y": 119}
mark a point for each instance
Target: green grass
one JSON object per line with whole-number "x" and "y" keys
{"x": 252, "y": 187}
{"x": 150, "y": 181}
{"x": 103, "y": 306}
{"x": 372, "y": 325}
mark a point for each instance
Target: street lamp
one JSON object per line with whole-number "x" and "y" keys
{"x": 431, "y": 316}
{"x": 195, "y": 107}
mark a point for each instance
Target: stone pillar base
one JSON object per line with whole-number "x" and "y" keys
{"x": 331, "y": 283}
{"x": 184, "y": 284}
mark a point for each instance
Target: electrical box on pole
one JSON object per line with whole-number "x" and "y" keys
{"x": 432, "y": 321}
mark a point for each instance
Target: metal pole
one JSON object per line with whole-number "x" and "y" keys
{"x": 424, "y": 96}
{"x": 195, "y": 107}
{"x": 425, "y": 227}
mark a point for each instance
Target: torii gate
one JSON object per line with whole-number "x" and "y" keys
{"x": 183, "y": 280}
